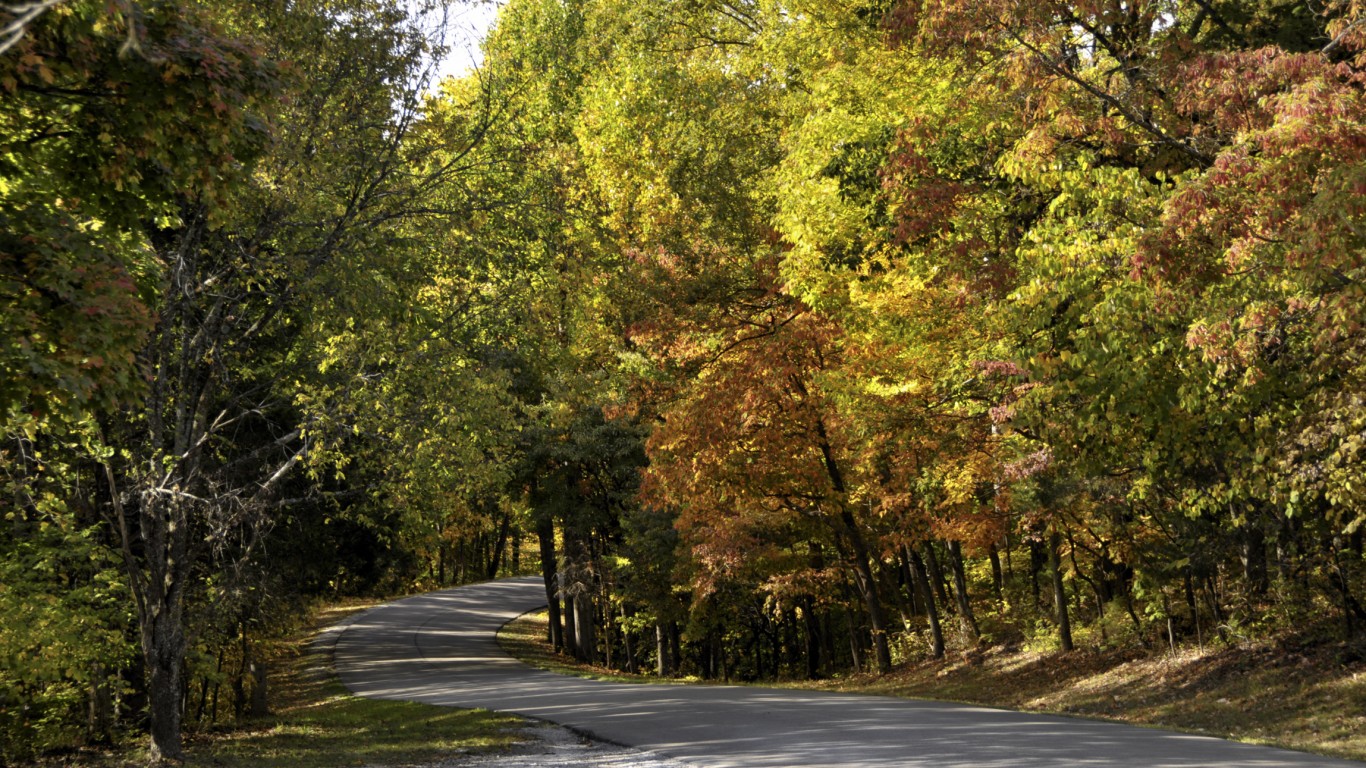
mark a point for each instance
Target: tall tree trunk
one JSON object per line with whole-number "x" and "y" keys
{"x": 675, "y": 648}
{"x": 260, "y": 705}
{"x": 997, "y": 577}
{"x": 966, "y": 618}
{"x": 100, "y": 712}
{"x": 1036, "y": 565}
{"x": 587, "y": 628}
{"x": 545, "y": 532}
{"x": 164, "y": 655}
{"x": 1253, "y": 557}
{"x": 571, "y": 630}
{"x": 499, "y": 547}
{"x": 857, "y": 553}
{"x": 1059, "y": 593}
{"x": 855, "y": 647}
{"x": 936, "y": 574}
{"x": 663, "y": 666}
{"x": 159, "y": 594}
{"x": 813, "y": 639}
{"x": 867, "y": 585}
{"x": 922, "y": 582}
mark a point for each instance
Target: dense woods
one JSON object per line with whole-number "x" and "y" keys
{"x": 784, "y": 337}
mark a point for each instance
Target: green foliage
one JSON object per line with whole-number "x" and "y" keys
{"x": 67, "y": 639}
{"x": 110, "y": 117}
{"x": 779, "y": 325}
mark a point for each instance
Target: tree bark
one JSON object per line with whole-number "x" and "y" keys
{"x": 499, "y": 547}
{"x": 260, "y": 705}
{"x": 545, "y": 532}
{"x": 587, "y": 628}
{"x": 997, "y": 577}
{"x": 1254, "y": 560}
{"x": 571, "y": 633}
{"x": 857, "y": 554}
{"x": 936, "y": 574}
{"x": 966, "y": 617}
{"x": 813, "y": 639}
{"x": 158, "y": 592}
{"x": 663, "y": 665}
{"x": 922, "y": 583}
{"x": 164, "y": 655}
{"x": 855, "y": 648}
{"x": 1059, "y": 593}
{"x": 867, "y": 586}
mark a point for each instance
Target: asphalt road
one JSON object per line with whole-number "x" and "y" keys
{"x": 439, "y": 648}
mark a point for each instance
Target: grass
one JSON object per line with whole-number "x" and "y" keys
{"x": 1310, "y": 698}
{"x": 316, "y": 723}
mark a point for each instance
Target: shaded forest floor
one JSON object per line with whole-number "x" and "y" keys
{"x": 1306, "y": 696}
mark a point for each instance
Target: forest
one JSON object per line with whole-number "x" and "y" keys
{"x": 786, "y": 338}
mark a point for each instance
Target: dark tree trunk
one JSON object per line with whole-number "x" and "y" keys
{"x": 1059, "y": 593}
{"x": 867, "y": 585}
{"x": 855, "y": 647}
{"x": 1254, "y": 561}
{"x": 936, "y": 574}
{"x": 1036, "y": 565}
{"x": 100, "y": 714}
{"x": 675, "y": 647}
{"x": 499, "y": 547}
{"x": 997, "y": 578}
{"x": 160, "y": 599}
{"x": 663, "y": 662}
{"x": 260, "y": 704}
{"x": 571, "y": 634}
{"x": 927, "y": 599}
{"x": 545, "y": 532}
{"x": 912, "y": 586}
{"x": 587, "y": 628}
{"x": 164, "y": 654}
{"x": 858, "y": 554}
{"x": 813, "y": 639}
{"x": 966, "y": 617}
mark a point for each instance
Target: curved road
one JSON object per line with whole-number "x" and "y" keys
{"x": 439, "y": 648}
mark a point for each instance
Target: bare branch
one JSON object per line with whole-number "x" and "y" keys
{"x": 1336, "y": 42}
{"x": 1128, "y": 112}
{"x": 22, "y": 15}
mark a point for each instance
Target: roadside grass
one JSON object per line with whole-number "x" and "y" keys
{"x": 316, "y": 723}
{"x": 1310, "y": 698}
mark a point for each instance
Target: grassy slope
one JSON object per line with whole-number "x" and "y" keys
{"x": 1311, "y": 699}
{"x": 316, "y": 723}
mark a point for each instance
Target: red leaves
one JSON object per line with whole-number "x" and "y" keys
{"x": 925, "y": 201}
{"x": 1286, "y": 181}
